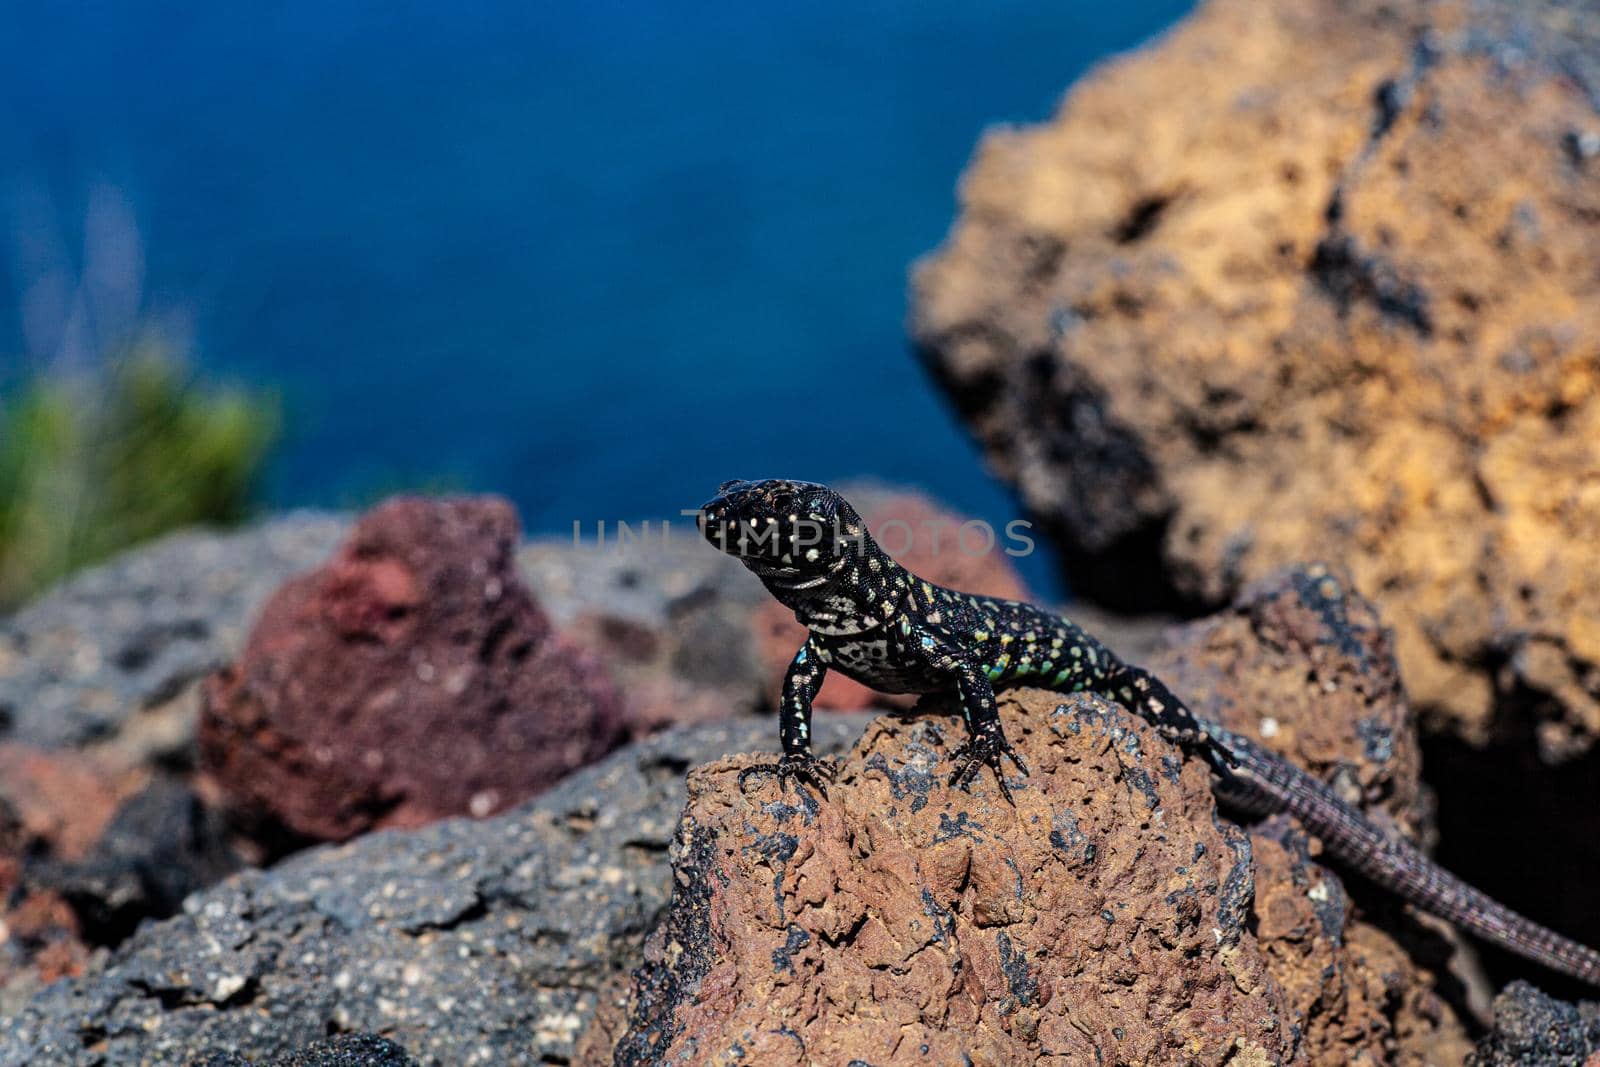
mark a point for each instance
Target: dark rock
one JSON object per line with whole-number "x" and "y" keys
{"x": 38, "y": 932}
{"x": 467, "y": 941}
{"x": 1110, "y": 916}
{"x": 1534, "y": 1030}
{"x": 412, "y": 678}
{"x": 1312, "y": 281}
{"x": 53, "y": 805}
{"x": 41, "y": 944}
{"x": 162, "y": 845}
{"x": 113, "y": 658}
{"x": 347, "y": 1050}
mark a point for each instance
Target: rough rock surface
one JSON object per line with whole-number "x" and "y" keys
{"x": 1302, "y": 663}
{"x": 54, "y": 807}
{"x": 1315, "y": 280}
{"x": 63, "y": 800}
{"x": 58, "y": 899}
{"x": 466, "y": 942}
{"x": 113, "y": 655}
{"x": 348, "y": 1050}
{"x": 1534, "y": 1030}
{"x": 924, "y": 537}
{"x": 112, "y": 659}
{"x": 411, "y": 678}
{"x": 39, "y": 939}
{"x": 1106, "y": 918}
{"x": 162, "y": 845}
{"x": 670, "y": 618}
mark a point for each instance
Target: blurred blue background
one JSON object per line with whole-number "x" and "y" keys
{"x": 596, "y": 256}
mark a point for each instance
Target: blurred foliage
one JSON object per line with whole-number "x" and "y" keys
{"x": 96, "y": 462}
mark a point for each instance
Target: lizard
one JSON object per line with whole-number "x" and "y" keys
{"x": 872, "y": 620}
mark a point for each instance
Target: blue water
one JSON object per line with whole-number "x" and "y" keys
{"x": 596, "y": 256}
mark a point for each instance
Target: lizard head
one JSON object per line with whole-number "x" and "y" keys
{"x": 781, "y": 528}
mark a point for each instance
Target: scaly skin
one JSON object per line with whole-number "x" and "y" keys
{"x": 876, "y": 622}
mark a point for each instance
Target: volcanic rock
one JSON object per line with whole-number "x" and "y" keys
{"x": 53, "y": 808}
{"x": 411, "y": 678}
{"x": 347, "y": 1050}
{"x": 1110, "y": 916}
{"x": 162, "y": 845}
{"x": 1302, "y": 663}
{"x": 1532, "y": 1029}
{"x": 465, "y": 942}
{"x": 63, "y": 800}
{"x": 112, "y": 658}
{"x": 1313, "y": 280}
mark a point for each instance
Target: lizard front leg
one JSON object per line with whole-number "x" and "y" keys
{"x": 986, "y": 740}
{"x": 800, "y": 684}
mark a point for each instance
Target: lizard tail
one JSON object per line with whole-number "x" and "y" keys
{"x": 1264, "y": 784}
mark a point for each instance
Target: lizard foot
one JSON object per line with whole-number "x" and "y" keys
{"x": 1195, "y": 740}
{"x": 799, "y": 767}
{"x": 986, "y": 750}
{"x": 1153, "y": 701}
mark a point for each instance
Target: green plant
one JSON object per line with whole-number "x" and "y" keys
{"x": 92, "y": 464}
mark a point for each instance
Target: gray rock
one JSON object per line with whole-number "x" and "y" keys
{"x": 1532, "y": 1029}
{"x": 130, "y": 636}
{"x": 465, "y": 942}
{"x": 348, "y": 1050}
{"x": 650, "y": 579}
{"x": 112, "y": 657}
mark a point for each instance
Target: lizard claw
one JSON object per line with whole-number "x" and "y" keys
{"x": 1195, "y": 740}
{"x": 1177, "y": 725}
{"x": 986, "y": 750}
{"x": 801, "y": 767}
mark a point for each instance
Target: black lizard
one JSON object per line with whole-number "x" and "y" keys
{"x": 874, "y": 621}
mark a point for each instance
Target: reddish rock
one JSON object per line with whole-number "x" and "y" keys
{"x": 43, "y": 936}
{"x": 39, "y": 939}
{"x": 925, "y": 538}
{"x": 1303, "y": 663}
{"x": 63, "y": 799}
{"x": 413, "y": 677}
{"x": 1110, "y": 916}
{"x": 1350, "y": 983}
{"x": 54, "y": 807}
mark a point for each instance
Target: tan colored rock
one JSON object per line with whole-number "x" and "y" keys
{"x": 1305, "y": 281}
{"x": 1106, "y": 918}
